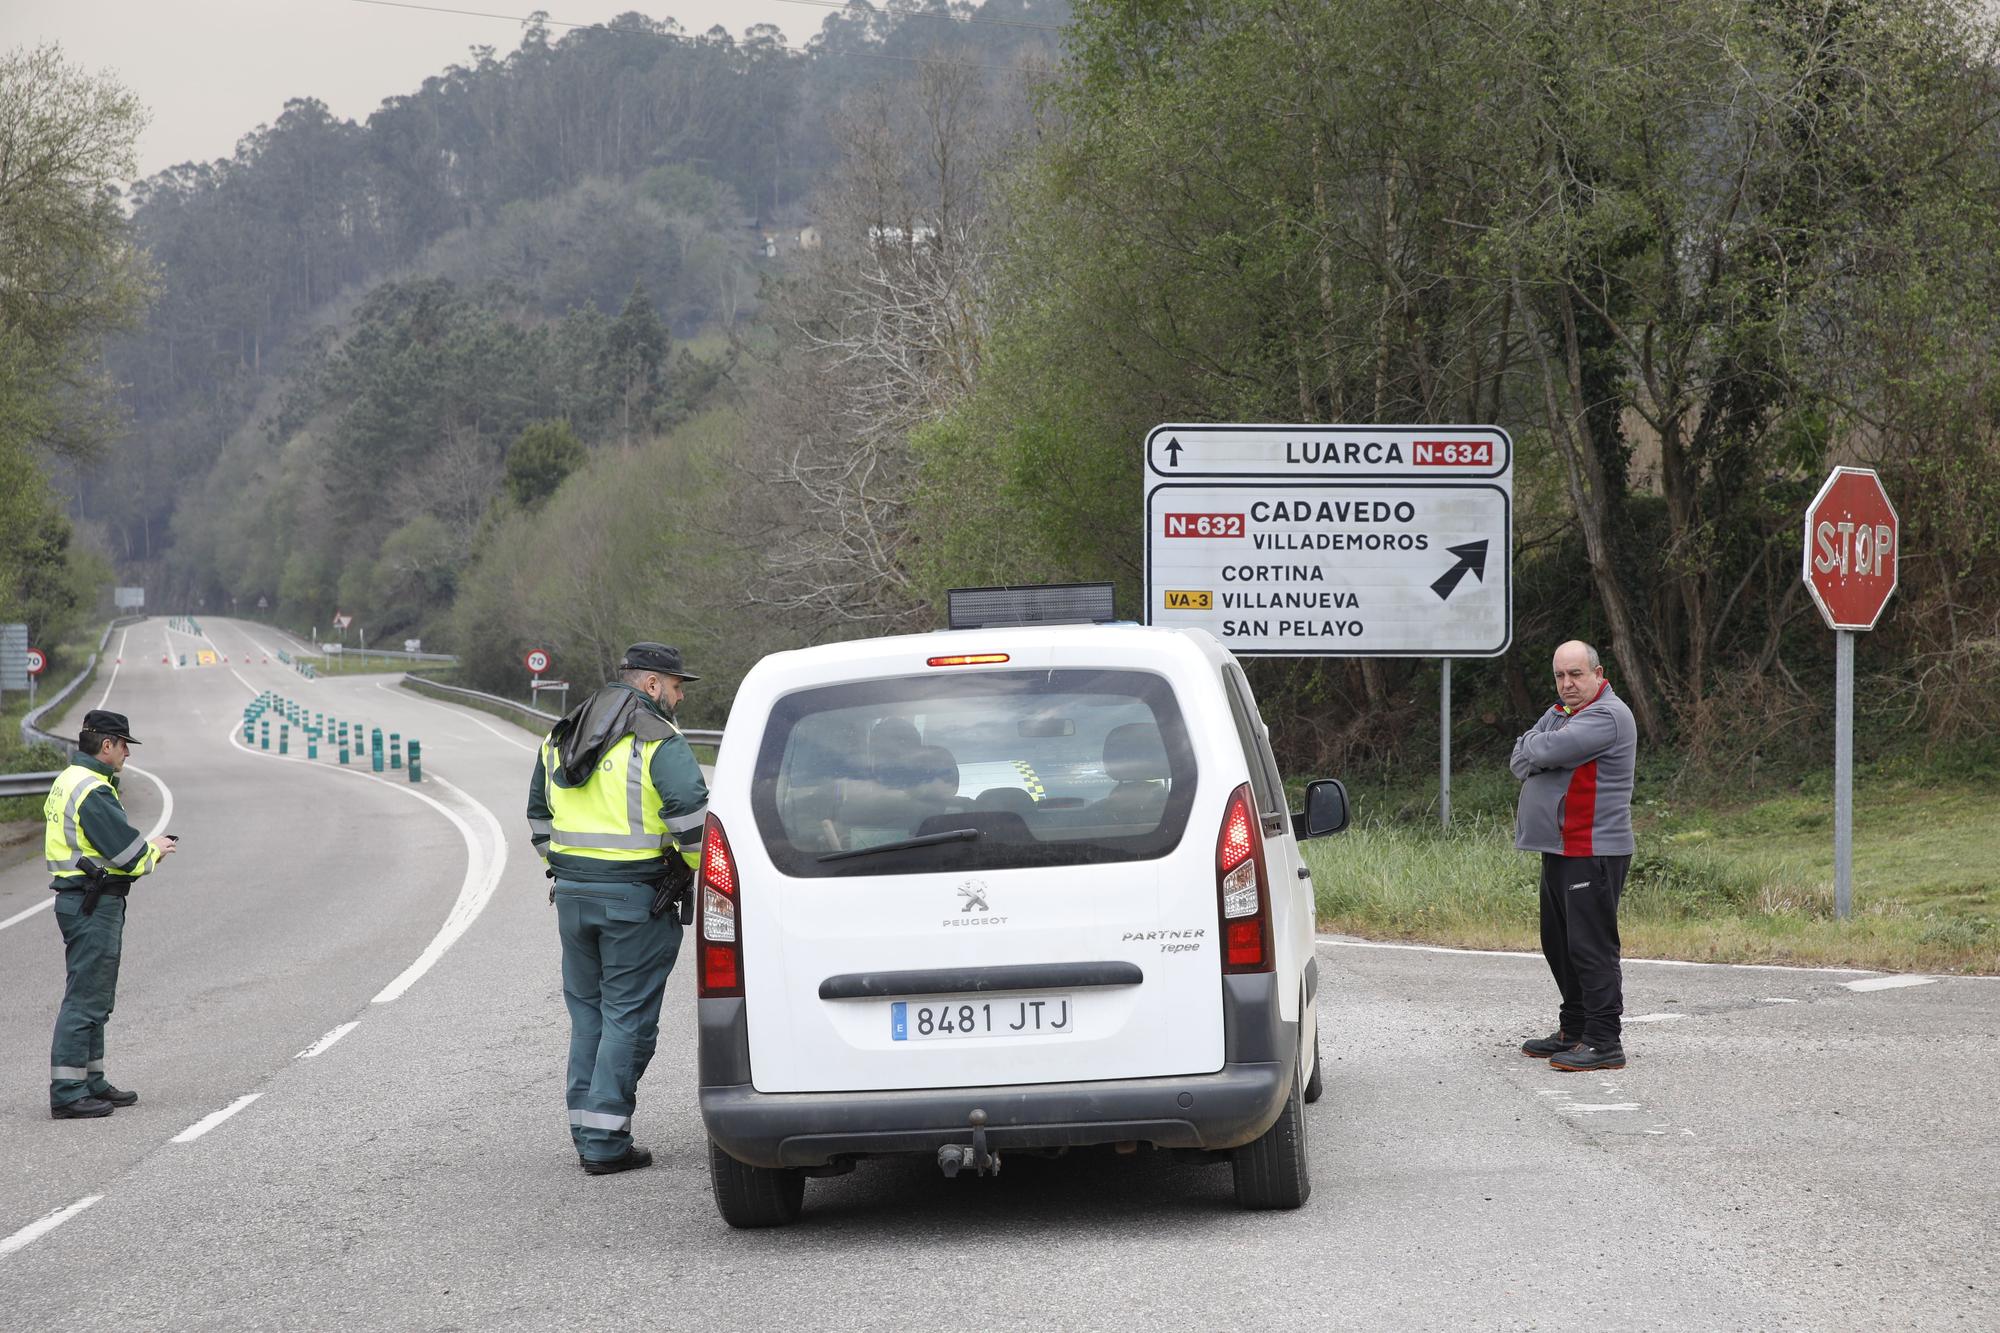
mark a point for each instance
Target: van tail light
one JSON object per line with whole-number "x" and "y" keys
{"x": 1242, "y": 891}
{"x": 721, "y": 942}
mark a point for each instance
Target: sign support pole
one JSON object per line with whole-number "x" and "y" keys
{"x": 1843, "y": 774}
{"x": 1444, "y": 747}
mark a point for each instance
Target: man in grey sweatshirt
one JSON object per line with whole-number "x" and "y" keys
{"x": 1576, "y": 767}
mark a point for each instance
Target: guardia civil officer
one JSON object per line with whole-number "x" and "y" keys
{"x": 94, "y": 856}
{"x": 1576, "y": 766}
{"x": 616, "y": 808}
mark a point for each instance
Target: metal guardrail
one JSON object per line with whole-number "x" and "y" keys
{"x": 34, "y": 784}
{"x": 340, "y": 651}
{"x": 695, "y": 735}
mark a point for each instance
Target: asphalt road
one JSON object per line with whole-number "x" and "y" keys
{"x": 1788, "y": 1149}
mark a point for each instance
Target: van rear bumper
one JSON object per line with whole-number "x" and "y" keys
{"x": 1223, "y": 1109}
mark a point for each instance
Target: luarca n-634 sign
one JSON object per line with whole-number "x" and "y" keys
{"x": 1336, "y": 541}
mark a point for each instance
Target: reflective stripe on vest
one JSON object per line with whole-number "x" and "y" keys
{"x": 616, "y": 815}
{"x": 63, "y": 838}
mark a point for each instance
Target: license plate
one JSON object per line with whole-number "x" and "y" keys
{"x": 1011, "y": 1016}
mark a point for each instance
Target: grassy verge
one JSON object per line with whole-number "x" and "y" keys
{"x": 1736, "y": 878}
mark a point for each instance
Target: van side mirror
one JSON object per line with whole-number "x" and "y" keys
{"x": 1326, "y": 810}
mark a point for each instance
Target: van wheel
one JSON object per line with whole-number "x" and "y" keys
{"x": 1315, "y": 1085}
{"x": 755, "y": 1196}
{"x": 1272, "y": 1171}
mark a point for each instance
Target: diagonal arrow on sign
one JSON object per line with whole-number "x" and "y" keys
{"x": 1471, "y": 559}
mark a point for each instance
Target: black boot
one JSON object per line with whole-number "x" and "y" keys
{"x": 83, "y": 1108}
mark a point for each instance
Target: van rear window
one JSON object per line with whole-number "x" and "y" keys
{"x": 985, "y": 770}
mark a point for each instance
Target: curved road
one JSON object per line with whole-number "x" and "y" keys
{"x": 1790, "y": 1149}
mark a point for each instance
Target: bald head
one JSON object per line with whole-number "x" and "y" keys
{"x": 1579, "y": 673}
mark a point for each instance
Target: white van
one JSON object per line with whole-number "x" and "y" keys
{"x": 1004, "y": 890}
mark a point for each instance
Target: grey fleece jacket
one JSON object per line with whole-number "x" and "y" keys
{"x": 1576, "y": 774}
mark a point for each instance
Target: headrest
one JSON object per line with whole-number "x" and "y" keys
{"x": 922, "y": 766}
{"x": 892, "y": 739}
{"x": 1134, "y": 753}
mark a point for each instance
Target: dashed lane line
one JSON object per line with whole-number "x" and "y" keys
{"x": 35, "y": 1230}
{"x": 319, "y": 1047}
{"x": 214, "y": 1118}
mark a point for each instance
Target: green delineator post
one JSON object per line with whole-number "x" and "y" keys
{"x": 396, "y": 750}
{"x": 416, "y": 760}
{"x": 312, "y": 745}
{"x": 267, "y": 733}
{"x": 375, "y": 748}
{"x": 284, "y": 738}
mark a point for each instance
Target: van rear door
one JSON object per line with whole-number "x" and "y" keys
{"x": 986, "y": 875}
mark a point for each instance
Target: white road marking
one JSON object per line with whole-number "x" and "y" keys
{"x": 473, "y": 893}
{"x": 34, "y": 1231}
{"x": 516, "y": 742}
{"x": 1657, "y": 1018}
{"x": 1334, "y": 943}
{"x": 1586, "y": 1108}
{"x": 1774, "y": 999}
{"x": 482, "y": 869}
{"x": 122, "y": 634}
{"x": 319, "y": 1047}
{"x": 1888, "y": 983}
{"x": 23, "y": 915}
{"x": 214, "y": 1118}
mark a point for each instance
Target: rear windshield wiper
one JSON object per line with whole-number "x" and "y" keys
{"x": 923, "y": 840}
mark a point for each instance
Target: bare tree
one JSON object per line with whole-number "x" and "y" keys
{"x": 884, "y": 328}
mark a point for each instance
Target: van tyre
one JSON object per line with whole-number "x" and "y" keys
{"x": 755, "y": 1196}
{"x": 1272, "y": 1171}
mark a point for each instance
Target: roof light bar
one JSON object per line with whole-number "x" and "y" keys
{"x": 1031, "y": 604}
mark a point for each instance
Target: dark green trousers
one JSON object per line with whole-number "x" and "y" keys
{"x": 92, "y": 946}
{"x": 616, "y": 959}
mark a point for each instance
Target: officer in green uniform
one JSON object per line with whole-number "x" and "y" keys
{"x": 94, "y": 855}
{"x": 616, "y": 807}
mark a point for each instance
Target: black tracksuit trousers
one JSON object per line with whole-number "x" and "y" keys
{"x": 1580, "y": 939}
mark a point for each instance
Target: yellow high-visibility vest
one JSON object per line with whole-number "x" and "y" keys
{"x": 63, "y": 838}
{"x": 616, "y": 815}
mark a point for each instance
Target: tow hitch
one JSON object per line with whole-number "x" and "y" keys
{"x": 956, "y": 1157}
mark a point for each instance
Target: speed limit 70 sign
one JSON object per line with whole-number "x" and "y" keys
{"x": 37, "y": 663}
{"x": 537, "y": 660}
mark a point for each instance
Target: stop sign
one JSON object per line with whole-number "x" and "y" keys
{"x": 1851, "y": 544}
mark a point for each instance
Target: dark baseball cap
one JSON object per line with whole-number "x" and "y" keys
{"x": 655, "y": 657}
{"x": 108, "y": 724}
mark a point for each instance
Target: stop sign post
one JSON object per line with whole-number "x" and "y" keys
{"x": 1852, "y": 552}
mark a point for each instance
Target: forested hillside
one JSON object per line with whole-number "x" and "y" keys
{"x": 512, "y": 362}
{"x": 374, "y": 347}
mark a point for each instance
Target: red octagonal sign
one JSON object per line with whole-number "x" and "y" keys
{"x": 1851, "y": 548}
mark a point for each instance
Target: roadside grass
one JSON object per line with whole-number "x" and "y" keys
{"x": 1726, "y": 878}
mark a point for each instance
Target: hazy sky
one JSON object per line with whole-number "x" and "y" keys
{"x": 211, "y": 70}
